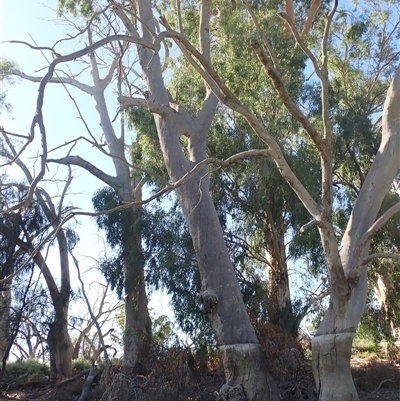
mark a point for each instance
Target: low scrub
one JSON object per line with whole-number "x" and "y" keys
{"x": 365, "y": 347}
{"x": 26, "y": 372}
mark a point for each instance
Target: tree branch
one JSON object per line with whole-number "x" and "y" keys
{"x": 96, "y": 323}
{"x": 78, "y": 161}
{"x": 227, "y": 97}
{"x": 379, "y": 223}
{"x": 285, "y": 97}
{"x": 59, "y": 80}
{"x": 382, "y": 255}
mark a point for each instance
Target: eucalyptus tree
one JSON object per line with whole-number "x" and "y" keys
{"x": 347, "y": 261}
{"x": 221, "y": 294}
{"x": 29, "y": 232}
{"x": 126, "y": 183}
{"x": 245, "y": 369}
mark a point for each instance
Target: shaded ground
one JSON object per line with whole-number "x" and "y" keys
{"x": 375, "y": 379}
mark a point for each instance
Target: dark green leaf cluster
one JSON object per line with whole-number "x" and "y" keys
{"x": 172, "y": 265}
{"x": 145, "y": 150}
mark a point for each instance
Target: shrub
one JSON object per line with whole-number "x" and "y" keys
{"x": 25, "y": 372}
{"x": 81, "y": 364}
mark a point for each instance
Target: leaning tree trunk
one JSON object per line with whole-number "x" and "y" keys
{"x": 332, "y": 344}
{"x": 244, "y": 361}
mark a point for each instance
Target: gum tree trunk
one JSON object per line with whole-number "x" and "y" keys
{"x": 333, "y": 341}
{"x": 244, "y": 362}
{"x": 137, "y": 333}
{"x": 5, "y": 304}
{"x": 279, "y": 302}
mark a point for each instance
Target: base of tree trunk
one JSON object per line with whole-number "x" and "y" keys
{"x": 331, "y": 367}
{"x": 247, "y": 377}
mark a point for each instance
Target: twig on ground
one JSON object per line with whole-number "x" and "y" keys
{"x": 391, "y": 379}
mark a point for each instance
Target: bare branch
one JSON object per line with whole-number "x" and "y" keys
{"x": 95, "y": 321}
{"x": 382, "y": 255}
{"x": 127, "y": 101}
{"x": 34, "y": 47}
{"x": 205, "y": 116}
{"x": 3, "y": 131}
{"x": 300, "y": 41}
{"x": 307, "y": 226}
{"x": 178, "y": 9}
{"x": 78, "y": 161}
{"x": 267, "y": 45}
{"x": 285, "y": 97}
{"x": 379, "y": 223}
{"x": 59, "y": 80}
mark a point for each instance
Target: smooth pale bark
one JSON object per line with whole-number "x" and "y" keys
{"x": 349, "y": 290}
{"x": 331, "y": 364}
{"x": 137, "y": 330}
{"x": 244, "y": 361}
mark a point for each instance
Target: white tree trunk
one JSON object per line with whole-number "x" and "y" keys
{"x": 348, "y": 276}
{"x": 331, "y": 367}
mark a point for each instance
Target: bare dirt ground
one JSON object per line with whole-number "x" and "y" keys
{"x": 375, "y": 379}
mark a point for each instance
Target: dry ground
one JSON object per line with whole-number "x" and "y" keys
{"x": 375, "y": 379}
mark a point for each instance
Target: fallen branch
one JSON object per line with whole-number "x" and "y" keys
{"x": 73, "y": 378}
{"x": 380, "y": 385}
{"x": 86, "y": 387}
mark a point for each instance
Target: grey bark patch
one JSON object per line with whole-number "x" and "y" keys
{"x": 232, "y": 393}
{"x": 209, "y": 300}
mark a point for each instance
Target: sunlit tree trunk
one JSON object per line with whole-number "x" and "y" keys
{"x": 348, "y": 276}
{"x": 244, "y": 361}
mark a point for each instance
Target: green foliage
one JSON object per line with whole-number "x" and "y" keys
{"x": 171, "y": 265}
{"x": 145, "y": 150}
{"x": 81, "y": 364}
{"x": 123, "y": 231}
{"x": 162, "y": 330}
{"x": 364, "y": 347}
{"x": 83, "y": 8}
{"x": 25, "y": 371}
{"x": 6, "y": 78}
